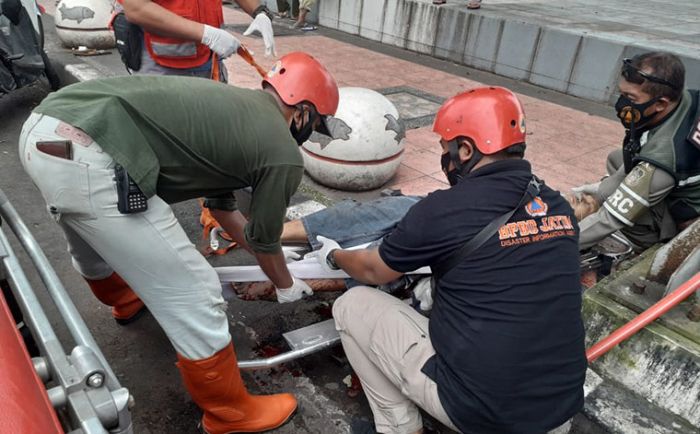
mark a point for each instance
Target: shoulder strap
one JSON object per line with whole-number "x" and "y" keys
{"x": 448, "y": 263}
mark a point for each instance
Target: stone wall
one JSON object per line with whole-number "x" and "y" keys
{"x": 572, "y": 61}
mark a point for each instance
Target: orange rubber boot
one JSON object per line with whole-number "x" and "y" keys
{"x": 115, "y": 292}
{"x": 216, "y": 386}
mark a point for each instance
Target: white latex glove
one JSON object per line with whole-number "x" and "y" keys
{"x": 220, "y": 41}
{"x": 290, "y": 254}
{"x": 321, "y": 255}
{"x": 423, "y": 293}
{"x": 294, "y": 293}
{"x": 263, "y": 25}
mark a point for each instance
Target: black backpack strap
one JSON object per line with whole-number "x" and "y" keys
{"x": 448, "y": 263}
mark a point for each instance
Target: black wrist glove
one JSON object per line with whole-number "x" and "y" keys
{"x": 262, "y": 9}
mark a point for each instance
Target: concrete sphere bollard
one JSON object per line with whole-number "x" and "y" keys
{"x": 366, "y": 147}
{"x": 85, "y": 23}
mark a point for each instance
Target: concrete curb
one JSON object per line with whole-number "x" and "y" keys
{"x": 72, "y": 69}
{"x": 656, "y": 364}
{"x": 576, "y": 61}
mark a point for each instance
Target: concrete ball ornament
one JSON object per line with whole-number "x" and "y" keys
{"x": 367, "y": 144}
{"x": 85, "y": 23}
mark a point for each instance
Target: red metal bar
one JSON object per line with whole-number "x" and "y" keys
{"x": 25, "y": 406}
{"x": 643, "y": 319}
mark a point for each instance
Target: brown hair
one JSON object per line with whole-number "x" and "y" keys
{"x": 665, "y": 66}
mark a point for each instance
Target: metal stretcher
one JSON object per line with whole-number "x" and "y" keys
{"x": 56, "y": 391}
{"x": 306, "y": 340}
{"x": 322, "y": 335}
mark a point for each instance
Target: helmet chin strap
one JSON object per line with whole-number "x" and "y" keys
{"x": 463, "y": 168}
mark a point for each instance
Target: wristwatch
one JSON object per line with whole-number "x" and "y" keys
{"x": 330, "y": 260}
{"x": 263, "y": 9}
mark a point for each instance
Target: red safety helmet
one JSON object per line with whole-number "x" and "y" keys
{"x": 299, "y": 77}
{"x": 491, "y": 117}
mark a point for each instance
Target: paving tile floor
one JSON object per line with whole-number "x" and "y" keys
{"x": 567, "y": 147}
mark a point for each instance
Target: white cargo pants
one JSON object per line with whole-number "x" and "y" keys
{"x": 149, "y": 250}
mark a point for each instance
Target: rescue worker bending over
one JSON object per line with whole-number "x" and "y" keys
{"x": 503, "y": 350}
{"x": 653, "y": 190}
{"x": 110, "y": 155}
{"x": 180, "y": 35}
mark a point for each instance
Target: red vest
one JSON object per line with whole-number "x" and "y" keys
{"x": 178, "y": 53}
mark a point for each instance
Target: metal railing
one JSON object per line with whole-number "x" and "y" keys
{"x": 645, "y": 318}
{"x": 82, "y": 382}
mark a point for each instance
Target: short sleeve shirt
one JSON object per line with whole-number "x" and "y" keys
{"x": 183, "y": 138}
{"x": 506, "y": 322}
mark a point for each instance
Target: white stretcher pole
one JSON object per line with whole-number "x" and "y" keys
{"x": 304, "y": 269}
{"x": 304, "y": 341}
{"x": 307, "y": 268}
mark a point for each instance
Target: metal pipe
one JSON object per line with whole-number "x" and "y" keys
{"x": 642, "y": 320}
{"x": 248, "y": 57}
{"x": 303, "y": 269}
{"x": 34, "y": 314}
{"x": 76, "y": 326}
{"x": 286, "y": 357}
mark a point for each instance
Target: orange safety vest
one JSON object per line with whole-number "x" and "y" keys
{"x": 178, "y": 53}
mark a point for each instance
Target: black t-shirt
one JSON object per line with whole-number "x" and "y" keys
{"x": 506, "y": 323}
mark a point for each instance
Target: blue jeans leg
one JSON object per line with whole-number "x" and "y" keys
{"x": 351, "y": 223}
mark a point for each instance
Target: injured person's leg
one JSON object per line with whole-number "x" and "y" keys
{"x": 251, "y": 291}
{"x": 416, "y": 287}
{"x": 350, "y": 223}
{"x": 294, "y": 232}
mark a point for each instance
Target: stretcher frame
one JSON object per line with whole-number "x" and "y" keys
{"x": 306, "y": 340}
{"x": 81, "y": 384}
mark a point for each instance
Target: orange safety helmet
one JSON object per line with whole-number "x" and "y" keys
{"x": 299, "y": 77}
{"x": 491, "y": 117}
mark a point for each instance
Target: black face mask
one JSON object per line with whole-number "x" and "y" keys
{"x": 303, "y": 134}
{"x": 632, "y": 115}
{"x": 453, "y": 176}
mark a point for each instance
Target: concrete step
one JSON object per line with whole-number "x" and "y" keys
{"x": 614, "y": 408}
{"x": 660, "y": 364}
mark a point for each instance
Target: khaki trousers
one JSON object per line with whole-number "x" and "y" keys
{"x": 387, "y": 343}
